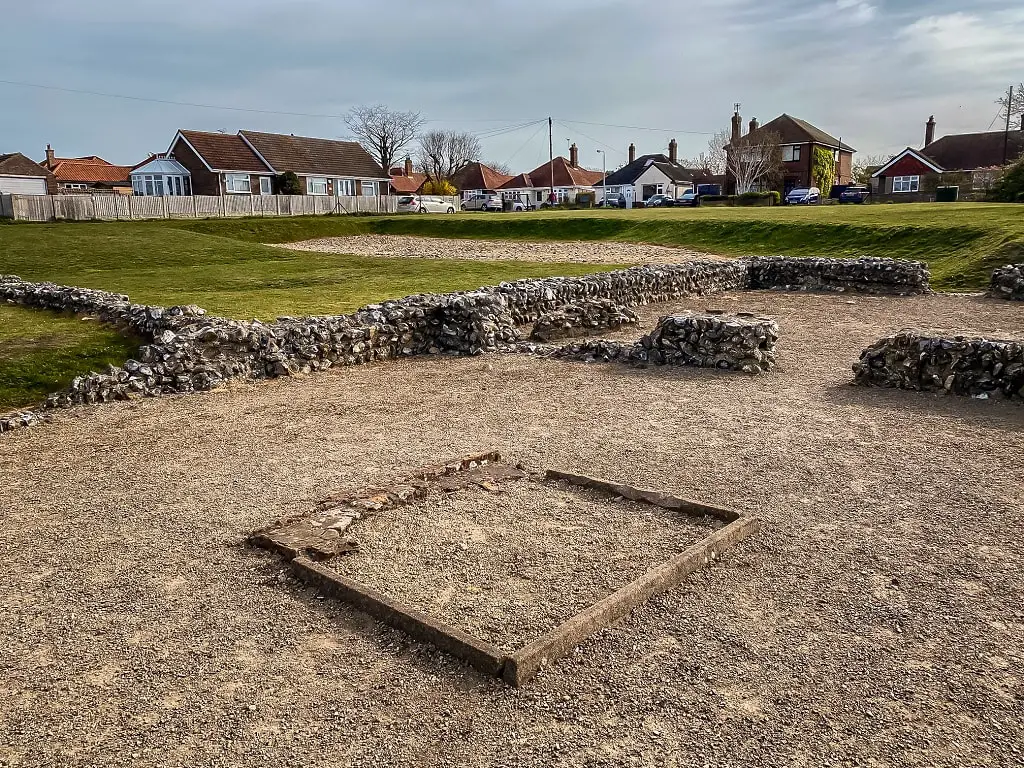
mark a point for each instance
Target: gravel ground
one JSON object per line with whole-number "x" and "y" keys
{"x": 588, "y": 252}
{"x": 510, "y": 565}
{"x": 875, "y": 620}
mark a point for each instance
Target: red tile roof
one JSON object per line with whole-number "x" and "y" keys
{"x": 311, "y": 156}
{"x": 225, "y": 151}
{"x": 565, "y": 175}
{"x": 522, "y": 181}
{"x": 406, "y": 185}
{"x": 478, "y": 176}
{"x": 90, "y": 170}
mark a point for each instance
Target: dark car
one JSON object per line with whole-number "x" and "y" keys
{"x": 854, "y": 194}
{"x": 691, "y": 199}
{"x": 659, "y": 201}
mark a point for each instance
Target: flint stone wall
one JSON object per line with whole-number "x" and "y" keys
{"x": 864, "y": 275}
{"x": 190, "y": 350}
{"x": 1007, "y": 283}
{"x": 960, "y": 365}
{"x": 582, "y": 319}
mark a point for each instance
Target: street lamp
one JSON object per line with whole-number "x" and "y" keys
{"x": 604, "y": 184}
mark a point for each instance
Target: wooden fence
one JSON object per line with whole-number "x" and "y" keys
{"x": 109, "y": 207}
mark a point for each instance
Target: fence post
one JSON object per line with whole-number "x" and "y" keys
{"x": 252, "y": 205}
{"x": 163, "y": 202}
{"x": 223, "y": 208}
{"x": 195, "y": 208}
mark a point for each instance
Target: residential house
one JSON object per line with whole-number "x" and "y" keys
{"x": 564, "y": 175}
{"x": 160, "y": 176}
{"x": 648, "y": 175}
{"x": 406, "y": 181}
{"x": 87, "y": 174}
{"x": 20, "y": 175}
{"x": 247, "y": 163}
{"x": 476, "y": 177}
{"x": 798, "y": 139}
{"x": 972, "y": 162}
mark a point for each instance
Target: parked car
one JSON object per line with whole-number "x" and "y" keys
{"x": 659, "y": 201}
{"x": 855, "y": 194}
{"x": 424, "y": 204}
{"x": 518, "y": 202}
{"x": 614, "y": 201}
{"x": 489, "y": 200}
{"x": 691, "y": 199}
{"x": 804, "y": 196}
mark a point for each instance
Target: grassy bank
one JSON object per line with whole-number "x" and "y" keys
{"x": 41, "y": 352}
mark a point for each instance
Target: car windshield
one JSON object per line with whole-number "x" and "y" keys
{"x": 800, "y": 192}
{"x": 406, "y": 200}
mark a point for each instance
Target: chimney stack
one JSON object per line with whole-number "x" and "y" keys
{"x": 574, "y": 156}
{"x": 753, "y": 124}
{"x": 929, "y": 131}
{"x": 50, "y": 161}
{"x": 673, "y": 151}
{"x": 737, "y": 125}
{"x": 632, "y": 152}
{"x": 408, "y": 166}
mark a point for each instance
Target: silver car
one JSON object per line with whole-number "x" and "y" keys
{"x": 488, "y": 200}
{"x": 424, "y": 204}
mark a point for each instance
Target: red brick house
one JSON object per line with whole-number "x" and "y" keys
{"x": 969, "y": 161}
{"x": 248, "y": 162}
{"x": 476, "y": 177}
{"x": 566, "y": 175}
{"x": 87, "y": 174}
{"x": 798, "y": 138}
{"x": 406, "y": 181}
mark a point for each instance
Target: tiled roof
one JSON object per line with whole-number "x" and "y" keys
{"x": 522, "y": 181}
{"x": 16, "y": 164}
{"x": 793, "y": 130}
{"x": 969, "y": 151}
{"x": 91, "y": 170}
{"x": 225, "y": 151}
{"x": 565, "y": 175}
{"x": 406, "y": 185}
{"x": 478, "y": 176}
{"x": 310, "y": 156}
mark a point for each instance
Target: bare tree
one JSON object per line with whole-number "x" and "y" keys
{"x": 714, "y": 159}
{"x": 442, "y": 153}
{"x": 755, "y": 159}
{"x": 865, "y": 165}
{"x": 500, "y": 167}
{"x": 1015, "y": 106}
{"x": 383, "y": 132}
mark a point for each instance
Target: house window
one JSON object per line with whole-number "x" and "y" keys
{"x": 906, "y": 183}
{"x": 266, "y": 188}
{"x": 316, "y": 186}
{"x": 540, "y": 195}
{"x": 76, "y": 186}
{"x": 237, "y": 183}
{"x": 177, "y": 185}
{"x": 188, "y": 185}
{"x": 136, "y": 185}
{"x": 345, "y": 187}
{"x": 790, "y": 154}
{"x": 369, "y": 188}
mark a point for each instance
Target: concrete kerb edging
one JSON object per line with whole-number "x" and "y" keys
{"x": 520, "y": 666}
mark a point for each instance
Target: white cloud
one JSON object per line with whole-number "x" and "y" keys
{"x": 965, "y": 41}
{"x": 856, "y": 11}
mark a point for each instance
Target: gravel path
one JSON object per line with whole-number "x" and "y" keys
{"x": 510, "y": 565}
{"x": 875, "y": 620}
{"x": 579, "y": 251}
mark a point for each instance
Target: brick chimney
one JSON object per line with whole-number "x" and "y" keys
{"x": 673, "y": 151}
{"x": 50, "y": 161}
{"x": 574, "y": 156}
{"x": 632, "y": 152}
{"x": 753, "y": 124}
{"x": 737, "y": 126}
{"x": 929, "y": 131}
{"x": 408, "y": 166}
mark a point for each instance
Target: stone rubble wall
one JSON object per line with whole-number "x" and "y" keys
{"x": 740, "y": 342}
{"x": 1007, "y": 283}
{"x": 189, "y": 350}
{"x": 864, "y": 275}
{"x": 960, "y": 365}
{"x": 582, "y": 319}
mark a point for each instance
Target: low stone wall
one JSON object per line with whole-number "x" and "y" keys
{"x": 190, "y": 351}
{"x": 960, "y": 365}
{"x": 740, "y": 342}
{"x": 1007, "y": 283}
{"x": 582, "y": 319}
{"x": 864, "y": 275}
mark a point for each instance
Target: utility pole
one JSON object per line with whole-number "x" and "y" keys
{"x": 1006, "y": 134}
{"x": 551, "y": 162}
{"x": 604, "y": 184}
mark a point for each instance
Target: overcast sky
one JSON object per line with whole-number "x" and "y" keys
{"x": 870, "y": 71}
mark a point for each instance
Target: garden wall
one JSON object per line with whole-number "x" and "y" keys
{"x": 1007, "y": 283}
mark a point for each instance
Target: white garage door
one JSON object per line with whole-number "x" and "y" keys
{"x": 15, "y": 185}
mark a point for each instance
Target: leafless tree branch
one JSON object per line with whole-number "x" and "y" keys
{"x": 756, "y": 157}
{"x": 442, "y": 153}
{"x": 383, "y": 132}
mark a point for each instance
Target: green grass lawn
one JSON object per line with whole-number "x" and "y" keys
{"x": 41, "y": 352}
{"x": 222, "y": 265}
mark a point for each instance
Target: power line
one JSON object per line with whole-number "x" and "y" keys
{"x": 596, "y": 141}
{"x": 506, "y": 129}
{"x": 525, "y": 143}
{"x": 640, "y": 128}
